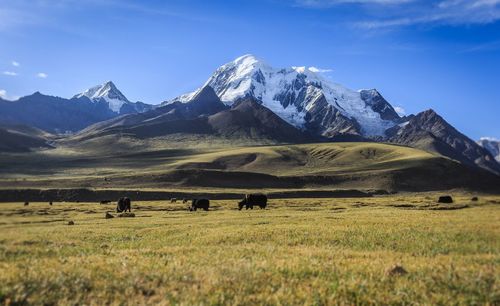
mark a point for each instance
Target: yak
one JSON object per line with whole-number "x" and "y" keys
{"x": 123, "y": 205}
{"x": 445, "y": 199}
{"x": 252, "y": 200}
{"x": 199, "y": 203}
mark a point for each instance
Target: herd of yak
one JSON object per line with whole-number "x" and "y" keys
{"x": 249, "y": 201}
{"x": 124, "y": 204}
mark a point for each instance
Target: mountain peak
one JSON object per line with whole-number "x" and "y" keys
{"x": 292, "y": 92}
{"x": 108, "y": 92}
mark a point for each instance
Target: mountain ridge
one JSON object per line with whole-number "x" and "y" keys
{"x": 285, "y": 105}
{"x": 62, "y": 116}
{"x": 328, "y": 110}
{"x": 107, "y": 92}
{"x": 291, "y": 92}
{"x": 492, "y": 145}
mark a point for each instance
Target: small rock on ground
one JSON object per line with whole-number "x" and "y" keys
{"x": 396, "y": 270}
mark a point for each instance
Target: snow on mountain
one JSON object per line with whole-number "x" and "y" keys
{"x": 292, "y": 93}
{"x": 492, "y": 145}
{"x": 107, "y": 92}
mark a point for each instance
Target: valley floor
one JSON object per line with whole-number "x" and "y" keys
{"x": 298, "y": 251}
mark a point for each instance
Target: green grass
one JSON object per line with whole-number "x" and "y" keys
{"x": 299, "y": 251}
{"x": 67, "y": 167}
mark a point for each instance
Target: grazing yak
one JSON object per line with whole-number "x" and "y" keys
{"x": 123, "y": 205}
{"x": 173, "y": 200}
{"x": 252, "y": 200}
{"x": 199, "y": 203}
{"x": 105, "y": 202}
{"x": 26, "y": 203}
{"x": 445, "y": 199}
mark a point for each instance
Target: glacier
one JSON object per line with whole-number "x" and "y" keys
{"x": 292, "y": 92}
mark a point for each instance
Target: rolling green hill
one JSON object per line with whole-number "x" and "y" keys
{"x": 317, "y": 166}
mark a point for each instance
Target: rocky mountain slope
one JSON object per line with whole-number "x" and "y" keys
{"x": 492, "y": 145}
{"x": 107, "y": 93}
{"x": 203, "y": 114}
{"x": 302, "y": 98}
{"x": 20, "y": 138}
{"x": 316, "y": 105}
{"x": 53, "y": 114}
{"x": 247, "y": 99}
{"x": 60, "y": 115}
{"x": 429, "y": 131}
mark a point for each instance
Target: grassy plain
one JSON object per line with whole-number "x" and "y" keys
{"x": 298, "y": 251}
{"x": 344, "y": 165}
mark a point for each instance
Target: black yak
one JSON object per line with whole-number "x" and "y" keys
{"x": 199, "y": 203}
{"x": 445, "y": 199}
{"x": 173, "y": 200}
{"x": 252, "y": 200}
{"x": 123, "y": 205}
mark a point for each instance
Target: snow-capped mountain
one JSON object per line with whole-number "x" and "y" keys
{"x": 54, "y": 114}
{"x": 312, "y": 103}
{"x": 303, "y": 97}
{"x": 492, "y": 145}
{"x": 117, "y": 102}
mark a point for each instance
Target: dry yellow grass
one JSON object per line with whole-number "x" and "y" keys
{"x": 299, "y": 251}
{"x": 66, "y": 167}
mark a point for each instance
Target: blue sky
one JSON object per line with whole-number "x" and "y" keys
{"x": 441, "y": 54}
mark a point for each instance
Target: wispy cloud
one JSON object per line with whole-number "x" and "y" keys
{"x": 15, "y": 64}
{"x": 319, "y": 70}
{"x": 9, "y": 73}
{"x": 12, "y": 17}
{"x": 400, "y": 110}
{"x": 399, "y": 13}
{"x": 46, "y": 13}
{"x": 42, "y": 75}
{"x": 489, "y": 138}
{"x": 4, "y": 95}
{"x": 485, "y": 47}
{"x": 329, "y": 3}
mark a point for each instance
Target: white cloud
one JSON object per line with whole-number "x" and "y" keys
{"x": 399, "y": 13}
{"x": 488, "y": 138}
{"x": 15, "y": 64}
{"x": 10, "y": 73}
{"x": 5, "y": 96}
{"x": 328, "y": 3}
{"x": 401, "y": 111}
{"x": 446, "y": 12}
{"x": 42, "y": 75}
{"x": 319, "y": 70}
